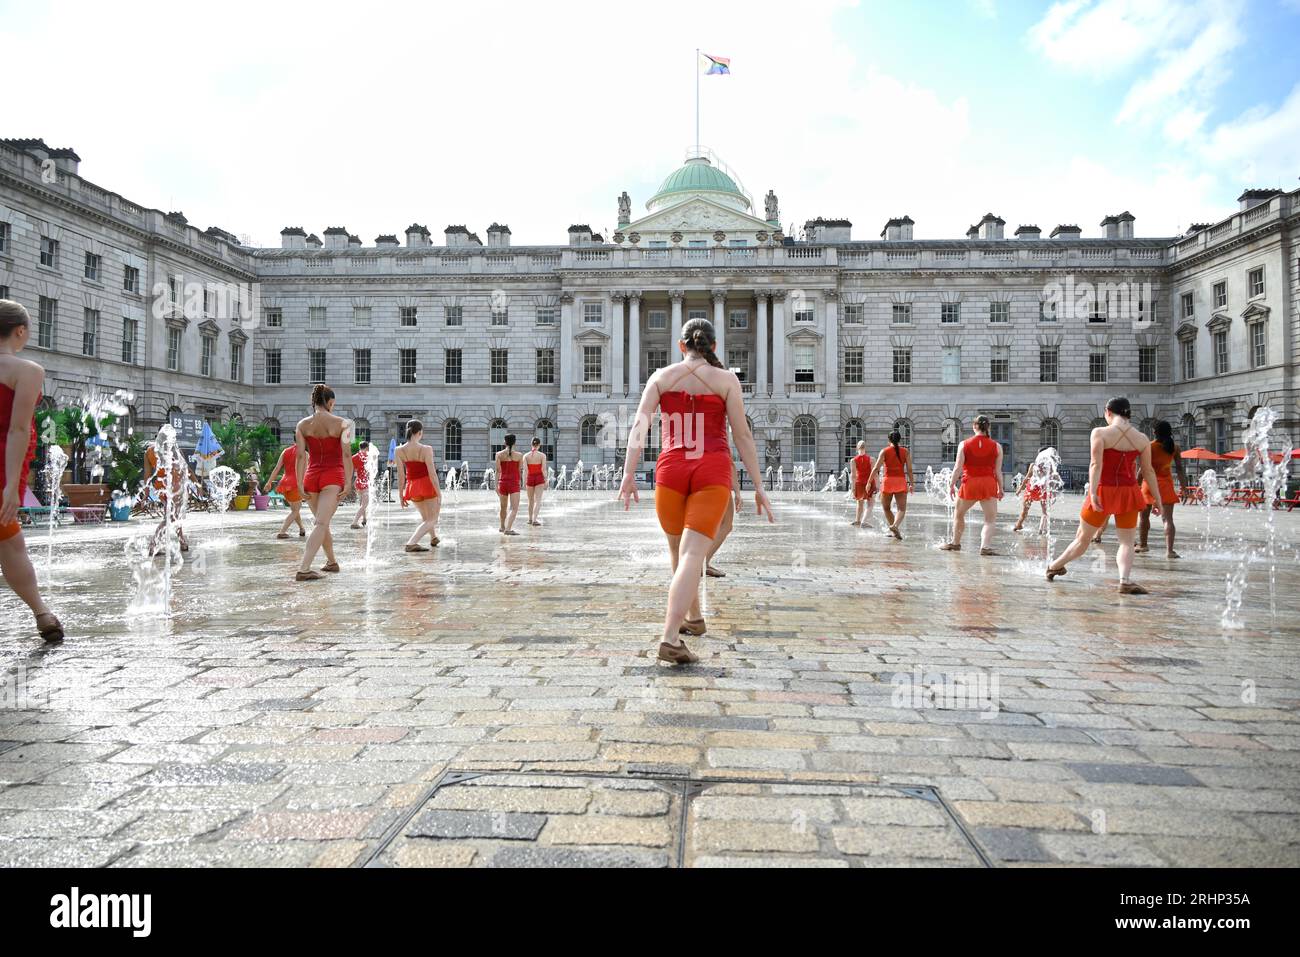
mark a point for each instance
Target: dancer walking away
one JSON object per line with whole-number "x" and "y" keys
{"x": 864, "y": 490}
{"x": 728, "y": 522}
{"x": 536, "y": 462}
{"x": 894, "y": 464}
{"x": 20, "y": 390}
{"x": 1033, "y": 489}
{"x": 362, "y": 484}
{"x": 695, "y": 398}
{"x": 324, "y": 472}
{"x": 1165, "y": 455}
{"x": 417, "y": 477}
{"x": 507, "y": 461}
{"x": 979, "y": 463}
{"x": 1119, "y": 451}
{"x": 288, "y": 489}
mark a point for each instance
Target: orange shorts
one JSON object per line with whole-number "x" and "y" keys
{"x": 1120, "y": 502}
{"x": 9, "y": 531}
{"x": 894, "y": 485}
{"x": 693, "y": 492}
{"x": 289, "y": 493}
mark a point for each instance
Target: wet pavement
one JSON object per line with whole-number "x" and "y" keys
{"x": 860, "y": 701}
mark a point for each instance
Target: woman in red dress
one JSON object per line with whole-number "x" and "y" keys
{"x": 417, "y": 477}
{"x": 362, "y": 484}
{"x": 288, "y": 489}
{"x": 20, "y": 390}
{"x": 1119, "y": 452}
{"x": 864, "y": 490}
{"x": 324, "y": 472}
{"x": 507, "y": 461}
{"x": 979, "y": 464}
{"x": 535, "y": 460}
{"x": 1031, "y": 490}
{"x": 1162, "y": 498}
{"x": 894, "y": 465}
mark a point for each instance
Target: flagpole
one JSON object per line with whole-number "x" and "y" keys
{"x": 697, "y": 101}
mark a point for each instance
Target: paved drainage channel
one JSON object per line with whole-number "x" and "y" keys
{"x": 549, "y": 819}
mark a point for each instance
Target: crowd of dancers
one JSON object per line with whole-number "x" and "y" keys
{"x": 696, "y": 491}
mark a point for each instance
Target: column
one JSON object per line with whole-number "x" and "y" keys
{"x": 675, "y": 328}
{"x": 761, "y": 387}
{"x": 778, "y": 343}
{"x": 616, "y": 344}
{"x": 634, "y": 344}
{"x": 566, "y": 345}
{"x": 831, "y": 297}
{"x": 720, "y": 324}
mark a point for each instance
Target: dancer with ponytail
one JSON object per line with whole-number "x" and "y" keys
{"x": 1162, "y": 497}
{"x": 693, "y": 474}
{"x": 20, "y": 390}
{"x": 536, "y": 462}
{"x": 417, "y": 477}
{"x": 323, "y": 469}
{"x": 979, "y": 464}
{"x": 288, "y": 489}
{"x": 1119, "y": 452}
{"x": 894, "y": 465}
{"x": 507, "y": 462}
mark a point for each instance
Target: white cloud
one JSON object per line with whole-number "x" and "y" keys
{"x": 1109, "y": 36}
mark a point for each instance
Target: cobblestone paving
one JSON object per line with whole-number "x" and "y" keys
{"x": 307, "y": 724}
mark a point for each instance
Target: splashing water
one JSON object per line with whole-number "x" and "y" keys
{"x": 56, "y": 460}
{"x": 1045, "y": 477}
{"x": 1212, "y": 495}
{"x": 780, "y": 478}
{"x": 371, "y": 490}
{"x": 153, "y": 587}
{"x": 1259, "y": 468}
{"x": 938, "y": 486}
{"x": 489, "y": 479}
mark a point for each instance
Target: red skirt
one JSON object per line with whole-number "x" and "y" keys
{"x": 976, "y": 488}
{"x": 861, "y": 491}
{"x": 1168, "y": 496}
{"x": 1120, "y": 499}
{"x": 894, "y": 485}
{"x": 317, "y": 480}
{"x": 419, "y": 489}
{"x": 1033, "y": 493}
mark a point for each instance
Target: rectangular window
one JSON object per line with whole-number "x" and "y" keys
{"x": 4, "y": 238}
{"x": 317, "y": 365}
{"x": 361, "y": 366}
{"x": 174, "y": 350}
{"x": 657, "y": 319}
{"x": 696, "y": 314}
{"x": 131, "y": 280}
{"x": 1000, "y": 364}
{"x": 130, "y": 335}
{"x": 951, "y": 365}
{"x": 206, "y": 350}
{"x": 272, "y": 366}
{"x": 1255, "y": 282}
{"x": 1049, "y": 364}
{"x": 1258, "y": 345}
{"x": 453, "y": 315}
{"x": 738, "y": 319}
{"x": 999, "y": 312}
{"x": 546, "y": 367}
{"x": 46, "y": 317}
{"x": 361, "y": 317}
{"x": 655, "y": 359}
{"x": 853, "y": 365}
{"x": 1220, "y": 294}
{"x": 501, "y": 317}
{"x": 1188, "y": 310}
{"x": 451, "y": 367}
{"x": 592, "y": 367}
{"x": 547, "y": 315}
{"x": 903, "y": 365}
{"x": 236, "y": 362}
{"x": 274, "y": 318}
{"x": 207, "y": 301}
{"x": 1189, "y": 359}
{"x": 1146, "y": 363}
{"x": 90, "y": 332}
{"x": 1220, "y": 436}
{"x": 316, "y": 318}
{"x": 804, "y": 314}
{"x": 4, "y": 292}
{"x": 1046, "y": 310}
{"x": 1221, "y": 353}
{"x": 1097, "y": 366}
{"x": 738, "y": 362}
{"x": 805, "y": 363}
{"x": 855, "y": 313}
{"x": 1099, "y": 311}
{"x": 93, "y": 263}
{"x": 408, "y": 316}
{"x": 406, "y": 366}
{"x": 49, "y": 252}
{"x": 499, "y": 365}
{"x": 950, "y": 312}
{"x": 901, "y": 314}
{"x": 593, "y": 313}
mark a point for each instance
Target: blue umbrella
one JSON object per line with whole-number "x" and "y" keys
{"x": 392, "y": 450}
{"x": 207, "y": 451}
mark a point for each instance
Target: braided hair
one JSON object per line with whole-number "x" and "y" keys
{"x": 699, "y": 338}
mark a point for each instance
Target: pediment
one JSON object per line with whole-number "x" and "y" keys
{"x": 1185, "y": 331}
{"x": 803, "y": 332}
{"x": 592, "y": 333}
{"x": 1255, "y": 312}
{"x": 699, "y": 215}
{"x": 208, "y": 328}
{"x": 1220, "y": 320}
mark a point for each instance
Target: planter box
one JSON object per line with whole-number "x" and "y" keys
{"x": 120, "y": 513}
{"x": 261, "y": 502}
{"x": 240, "y": 503}
{"x": 80, "y": 496}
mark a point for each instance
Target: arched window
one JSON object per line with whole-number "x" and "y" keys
{"x": 1189, "y": 431}
{"x": 949, "y": 439}
{"x": 497, "y": 436}
{"x": 273, "y": 426}
{"x": 805, "y": 439}
{"x": 904, "y": 427}
{"x": 545, "y": 430}
{"x": 1049, "y": 435}
{"x": 452, "y": 450}
{"x": 589, "y": 440}
{"x": 854, "y": 432}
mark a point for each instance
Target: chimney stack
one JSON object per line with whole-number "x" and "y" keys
{"x": 388, "y": 240}
{"x": 1028, "y": 232}
{"x": 417, "y": 237}
{"x": 293, "y": 237}
{"x": 1066, "y": 232}
{"x": 990, "y": 227}
{"x": 336, "y": 237}
{"x": 498, "y": 235}
{"x": 897, "y": 229}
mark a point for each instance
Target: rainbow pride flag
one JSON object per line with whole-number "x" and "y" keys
{"x": 714, "y": 64}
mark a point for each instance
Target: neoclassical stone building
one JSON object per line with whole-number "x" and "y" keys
{"x": 834, "y": 338}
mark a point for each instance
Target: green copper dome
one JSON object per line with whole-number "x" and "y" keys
{"x": 697, "y": 175}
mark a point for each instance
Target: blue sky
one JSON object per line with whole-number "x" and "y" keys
{"x": 253, "y": 117}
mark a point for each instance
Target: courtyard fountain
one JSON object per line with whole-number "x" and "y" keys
{"x": 223, "y": 483}
{"x": 153, "y": 586}
{"x": 1045, "y": 475}
{"x": 938, "y": 486}
{"x": 372, "y": 482}
{"x": 56, "y": 460}
{"x": 489, "y": 479}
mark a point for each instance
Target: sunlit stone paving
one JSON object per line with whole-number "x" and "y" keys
{"x": 860, "y": 701}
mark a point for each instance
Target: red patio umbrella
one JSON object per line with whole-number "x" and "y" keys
{"x": 1199, "y": 453}
{"x": 1275, "y": 456}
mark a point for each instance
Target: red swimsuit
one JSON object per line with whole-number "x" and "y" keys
{"x": 288, "y": 487}
{"x": 861, "y": 472}
{"x": 979, "y": 460}
{"x": 1118, "y": 490}
{"x": 508, "y": 483}
{"x": 419, "y": 486}
{"x": 535, "y": 474}
{"x": 6, "y": 414}
{"x": 324, "y": 463}
{"x": 360, "y": 479}
{"x": 693, "y": 473}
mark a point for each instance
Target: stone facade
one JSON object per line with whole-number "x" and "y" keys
{"x": 835, "y": 339}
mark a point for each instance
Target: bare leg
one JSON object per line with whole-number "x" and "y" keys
{"x": 532, "y": 503}
{"x": 674, "y": 547}
{"x": 19, "y": 573}
{"x": 1144, "y": 527}
{"x": 428, "y": 510}
{"x": 684, "y": 592}
{"x": 723, "y": 531}
{"x": 1024, "y": 512}
{"x": 870, "y": 504}
{"x": 537, "y": 513}
{"x": 323, "y": 505}
{"x": 1124, "y": 556}
{"x": 901, "y": 500}
{"x": 1082, "y": 538}
{"x": 501, "y": 523}
{"x": 887, "y": 499}
{"x": 857, "y": 518}
{"x": 959, "y": 522}
{"x": 513, "y": 500}
{"x": 1167, "y": 513}
{"x": 990, "y": 508}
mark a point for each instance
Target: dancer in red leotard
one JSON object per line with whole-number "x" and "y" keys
{"x": 362, "y": 484}
{"x": 979, "y": 464}
{"x": 1162, "y": 499}
{"x": 288, "y": 489}
{"x": 535, "y": 460}
{"x": 324, "y": 473}
{"x": 1032, "y": 491}
{"x": 894, "y": 465}
{"x": 507, "y": 461}
{"x": 1119, "y": 451}
{"x": 696, "y": 399}
{"x": 864, "y": 490}
{"x": 417, "y": 477}
{"x": 20, "y": 390}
